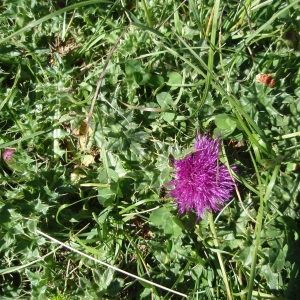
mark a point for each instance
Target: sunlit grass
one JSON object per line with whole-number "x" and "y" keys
{"x": 97, "y": 99}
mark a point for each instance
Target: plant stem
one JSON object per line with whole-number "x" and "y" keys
{"x": 147, "y": 13}
{"x": 216, "y": 244}
{"x": 259, "y": 222}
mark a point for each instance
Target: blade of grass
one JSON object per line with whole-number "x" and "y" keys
{"x": 50, "y": 16}
{"x": 263, "y": 196}
{"x": 13, "y": 91}
{"x": 243, "y": 14}
{"x": 248, "y": 125}
{"x": 211, "y": 52}
{"x": 19, "y": 140}
{"x": 220, "y": 258}
{"x": 18, "y": 268}
{"x": 99, "y": 84}
{"x": 147, "y": 13}
{"x": 97, "y": 36}
{"x": 108, "y": 265}
{"x": 269, "y": 22}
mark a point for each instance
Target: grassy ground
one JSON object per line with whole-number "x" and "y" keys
{"x": 96, "y": 98}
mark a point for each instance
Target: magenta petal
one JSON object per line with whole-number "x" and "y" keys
{"x": 201, "y": 182}
{"x": 8, "y": 153}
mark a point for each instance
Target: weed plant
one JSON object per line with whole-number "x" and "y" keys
{"x": 97, "y": 97}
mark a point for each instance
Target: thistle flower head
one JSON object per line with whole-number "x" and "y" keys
{"x": 202, "y": 183}
{"x": 7, "y": 154}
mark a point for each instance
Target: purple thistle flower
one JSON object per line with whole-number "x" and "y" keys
{"x": 8, "y": 153}
{"x": 201, "y": 183}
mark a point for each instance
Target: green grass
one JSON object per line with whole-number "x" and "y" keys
{"x": 97, "y": 97}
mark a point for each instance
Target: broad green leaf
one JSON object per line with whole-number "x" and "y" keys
{"x": 175, "y": 79}
{"x": 226, "y": 124}
{"x": 164, "y": 100}
{"x": 163, "y": 218}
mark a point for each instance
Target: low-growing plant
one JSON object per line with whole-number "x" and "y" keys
{"x": 103, "y": 195}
